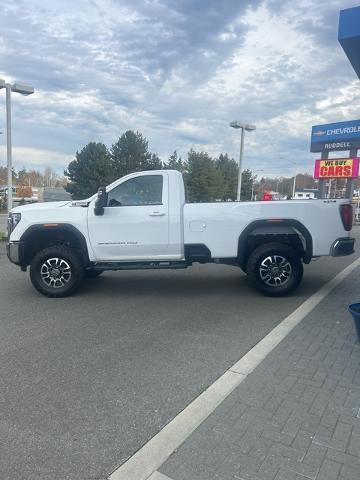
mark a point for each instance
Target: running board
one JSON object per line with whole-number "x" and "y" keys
{"x": 138, "y": 265}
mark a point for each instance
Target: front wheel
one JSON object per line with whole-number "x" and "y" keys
{"x": 56, "y": 271}
{"x": 275, "y": 269}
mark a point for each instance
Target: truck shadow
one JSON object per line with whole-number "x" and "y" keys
{"x": 190, "y": 285}
{"x": 141, "y": 283}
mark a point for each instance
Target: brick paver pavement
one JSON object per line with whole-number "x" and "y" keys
{"x": 296, "y": 417}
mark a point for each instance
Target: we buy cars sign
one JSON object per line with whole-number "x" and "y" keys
{"x": 337, "y": 168}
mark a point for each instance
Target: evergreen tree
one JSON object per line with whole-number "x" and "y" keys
{"x": 90, "y": 170}
{"x": 176, "y": 163}
{"x": 154, "y": 163}
{"x": 229, "y": 169}
{"x": 205, "y": 182}
{"x": 246, "y": 184}
{"x": 131, "y": 154}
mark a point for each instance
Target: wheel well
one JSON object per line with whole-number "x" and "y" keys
{"x": 38, "y": 238}
{"x": 290, "y": 233}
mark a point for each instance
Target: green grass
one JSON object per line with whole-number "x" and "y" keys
{"x": 2, "y": 236}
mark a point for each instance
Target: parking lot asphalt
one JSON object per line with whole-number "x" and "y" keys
{"x": 86, "y": 381}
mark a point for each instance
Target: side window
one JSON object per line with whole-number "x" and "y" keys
{"x": 144, "y": 190}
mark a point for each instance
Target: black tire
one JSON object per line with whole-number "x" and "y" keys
{"x": 61, "y": 276}
{"x": 275, "y": 269}
{"x": 93, "y": 273}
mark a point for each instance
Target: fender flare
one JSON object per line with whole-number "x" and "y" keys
{"x": 278, "y": 222}
{"x": 59, "y": 227}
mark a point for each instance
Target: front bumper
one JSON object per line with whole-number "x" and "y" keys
{"x": 15, "y": 252}
{"x": 342, "y": 246}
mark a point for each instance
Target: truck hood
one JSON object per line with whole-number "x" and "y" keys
{"x": 40, "y": 206}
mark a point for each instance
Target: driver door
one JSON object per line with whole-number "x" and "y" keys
{"x": 135, "y": 224}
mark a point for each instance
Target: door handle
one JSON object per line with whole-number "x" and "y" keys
{"x": 157, "y": 214}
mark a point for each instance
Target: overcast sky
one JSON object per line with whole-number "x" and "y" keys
{"x": 178, "y": 71}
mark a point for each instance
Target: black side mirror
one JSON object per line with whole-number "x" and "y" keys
{"x": 101, "y": 201}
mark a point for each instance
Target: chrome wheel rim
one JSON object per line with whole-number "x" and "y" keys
{"x": 55, "y": 272}
{"x": 275, "y": 270}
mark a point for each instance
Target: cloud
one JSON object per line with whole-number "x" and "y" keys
{"x": 34, "y": 158}
{"x": 178, "y": 71}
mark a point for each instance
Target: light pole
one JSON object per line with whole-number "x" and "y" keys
{"x": 23, "y": 89}
{"x": 248, "y": 128}
{"x": 295, "y": 175}
{"x": 253, "y": 182}
{"x": 294, "y": 186}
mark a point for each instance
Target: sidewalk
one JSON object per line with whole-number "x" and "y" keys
{"x": 296, "y": 417}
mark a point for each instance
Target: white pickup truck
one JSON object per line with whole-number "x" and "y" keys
{"x": 142, "y": 221}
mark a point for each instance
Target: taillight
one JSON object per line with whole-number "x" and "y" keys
{"x": 346, "y": 212}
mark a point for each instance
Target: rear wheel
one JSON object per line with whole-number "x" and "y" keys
{"x": 275, "y": 269}
{"x": 56, "y": 271}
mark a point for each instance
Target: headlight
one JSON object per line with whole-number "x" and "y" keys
{"x": 13, "y": 220}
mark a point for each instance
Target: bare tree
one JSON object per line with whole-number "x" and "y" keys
{"x": 50, "y": 177}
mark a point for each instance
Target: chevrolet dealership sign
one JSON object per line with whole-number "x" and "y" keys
{"x": 335, "y": 136}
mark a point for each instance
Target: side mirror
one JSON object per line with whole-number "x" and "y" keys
{"x": 101, "y": 201}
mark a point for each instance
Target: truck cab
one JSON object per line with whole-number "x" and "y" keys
{"x": 140, "y": 219}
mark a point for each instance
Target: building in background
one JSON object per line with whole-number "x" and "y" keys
{"x": 306, "y": 194}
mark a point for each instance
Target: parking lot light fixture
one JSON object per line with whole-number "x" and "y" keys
{"x": 23, "y": 89}
{"x": 243, "y": 127}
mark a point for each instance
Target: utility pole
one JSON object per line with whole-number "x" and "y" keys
{"x": 248, "y": 128}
